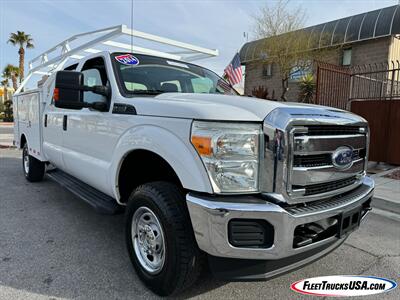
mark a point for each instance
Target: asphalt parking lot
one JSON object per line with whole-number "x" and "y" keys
{"x": 6, "y": 135}
{"x": 6, "y": 129}
{"x": 54, "y": 246}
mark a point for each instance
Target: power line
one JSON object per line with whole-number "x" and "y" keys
{"x": 132, "y": 25}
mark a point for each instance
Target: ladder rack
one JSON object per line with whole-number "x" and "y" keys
{"x": 91, "y": 42}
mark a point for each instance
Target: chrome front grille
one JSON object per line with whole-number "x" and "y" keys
{"x": 307, "y": 151}
{"x": 312, "y": 172}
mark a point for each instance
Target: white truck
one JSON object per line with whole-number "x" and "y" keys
{"x": 253, "y": 188}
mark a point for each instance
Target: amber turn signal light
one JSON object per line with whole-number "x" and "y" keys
{"x": 202, "y": 145}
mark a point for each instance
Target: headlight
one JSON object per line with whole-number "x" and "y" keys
{"x": 230, "y": 153}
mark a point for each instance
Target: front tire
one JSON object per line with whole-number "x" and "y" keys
{"x": 32, "y": 167}
{"x": 160, "y": 238}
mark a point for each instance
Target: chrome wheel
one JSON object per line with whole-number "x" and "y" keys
{"x": 148, "y": 240}
{"x": 26, "y": 161}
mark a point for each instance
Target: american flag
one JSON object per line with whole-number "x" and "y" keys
{"x": 234, "y": 70}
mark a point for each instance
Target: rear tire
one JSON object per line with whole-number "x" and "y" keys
{"x": 164, "y": 253}
{"x": 32, "y": 167}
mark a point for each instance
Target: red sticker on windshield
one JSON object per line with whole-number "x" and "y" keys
{"x": 127, "y": 59}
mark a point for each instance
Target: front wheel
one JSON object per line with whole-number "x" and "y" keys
{"x": 32, "y": 167}
{"x": 160, "y": 238}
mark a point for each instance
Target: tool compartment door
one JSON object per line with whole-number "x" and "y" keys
{"x": 29, "y": 121}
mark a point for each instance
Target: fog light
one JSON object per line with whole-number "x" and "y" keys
{"x": 248, "y": 233}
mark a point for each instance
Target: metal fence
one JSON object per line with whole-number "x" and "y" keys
{"x": 371, "y": 91}
{"x": 333, "y": 85}
{"x": 338, "y": 86}
{"x": 375, "y": 95}
{"x": 375, "y": 81}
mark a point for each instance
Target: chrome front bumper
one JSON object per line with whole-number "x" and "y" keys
{"x": 210, "y": 217}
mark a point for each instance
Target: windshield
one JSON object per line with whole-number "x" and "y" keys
{"x": 148, "y": 75}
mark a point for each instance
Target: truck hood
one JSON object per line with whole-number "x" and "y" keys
{"x": 209, "y": 106}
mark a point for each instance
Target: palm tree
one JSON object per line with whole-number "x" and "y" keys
{"x": 4, "y": 83}
{"x": 22, "y": 40}
{"x": 13, "y": 73}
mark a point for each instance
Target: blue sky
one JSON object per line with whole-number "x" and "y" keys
{"x": 208, "y": 23}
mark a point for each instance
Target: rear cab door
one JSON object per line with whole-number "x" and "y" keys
{"x": 53, "y": 123}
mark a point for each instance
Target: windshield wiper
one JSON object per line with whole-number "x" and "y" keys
{"x": 151, "y": 92}
{"x": 148, "y": 92}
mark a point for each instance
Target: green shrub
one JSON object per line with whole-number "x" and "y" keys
{"x": 8, "y": 111}
{"x": 307, "y": 89}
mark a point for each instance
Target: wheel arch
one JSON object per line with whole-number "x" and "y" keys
{"x": 150, "y": 166}
{"x": 149, "y": 144}
{"x": 23, "y": 141}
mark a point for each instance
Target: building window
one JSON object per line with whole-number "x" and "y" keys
{"x": 346, "y": 60}
{"x": 267, "y": 70}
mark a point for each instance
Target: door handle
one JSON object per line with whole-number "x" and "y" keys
{"x": 29, "y": 124}
{"x": 65, "y": 123}
{"x": 45, "y": 120}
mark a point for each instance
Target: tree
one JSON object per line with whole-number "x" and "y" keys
{"x": 4, "y": 83}
{"x": 9, "y": 72}
{"x": 284, "y": 44}
{"x": 7, "y": 103}
{"x": 22, "y": 40}
{"x": 1, "y": 108}
{"x": 13, "y": 72}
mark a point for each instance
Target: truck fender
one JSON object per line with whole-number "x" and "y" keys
{"x": 181, "y": 156}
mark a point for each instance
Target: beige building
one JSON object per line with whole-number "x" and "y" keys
{"x": 367, "y": 38}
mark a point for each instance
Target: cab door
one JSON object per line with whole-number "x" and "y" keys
{"x": 88, "y": 139}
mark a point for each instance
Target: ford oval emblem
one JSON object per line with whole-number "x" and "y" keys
{"x": 342, "y": 158}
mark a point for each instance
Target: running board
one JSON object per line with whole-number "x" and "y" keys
{"x": 101, "y": 202}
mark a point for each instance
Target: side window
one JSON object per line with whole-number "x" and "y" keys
{"x": 171, "y": 86}
{"x": 131, "y": 86}
{"x": 94, "y": 72}
{"x": 202, "y": 85}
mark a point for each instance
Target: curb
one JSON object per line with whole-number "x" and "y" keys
{"x": 386, "y": 214}
{"x": 386, "y": 204}
{"x": 384, "y": 173}
{"x": 7, "y": 147}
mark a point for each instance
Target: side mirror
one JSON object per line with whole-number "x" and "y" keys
{"x": 68, "y": 92}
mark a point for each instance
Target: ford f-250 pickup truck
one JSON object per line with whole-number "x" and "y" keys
{"x": 253, "y": 188}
